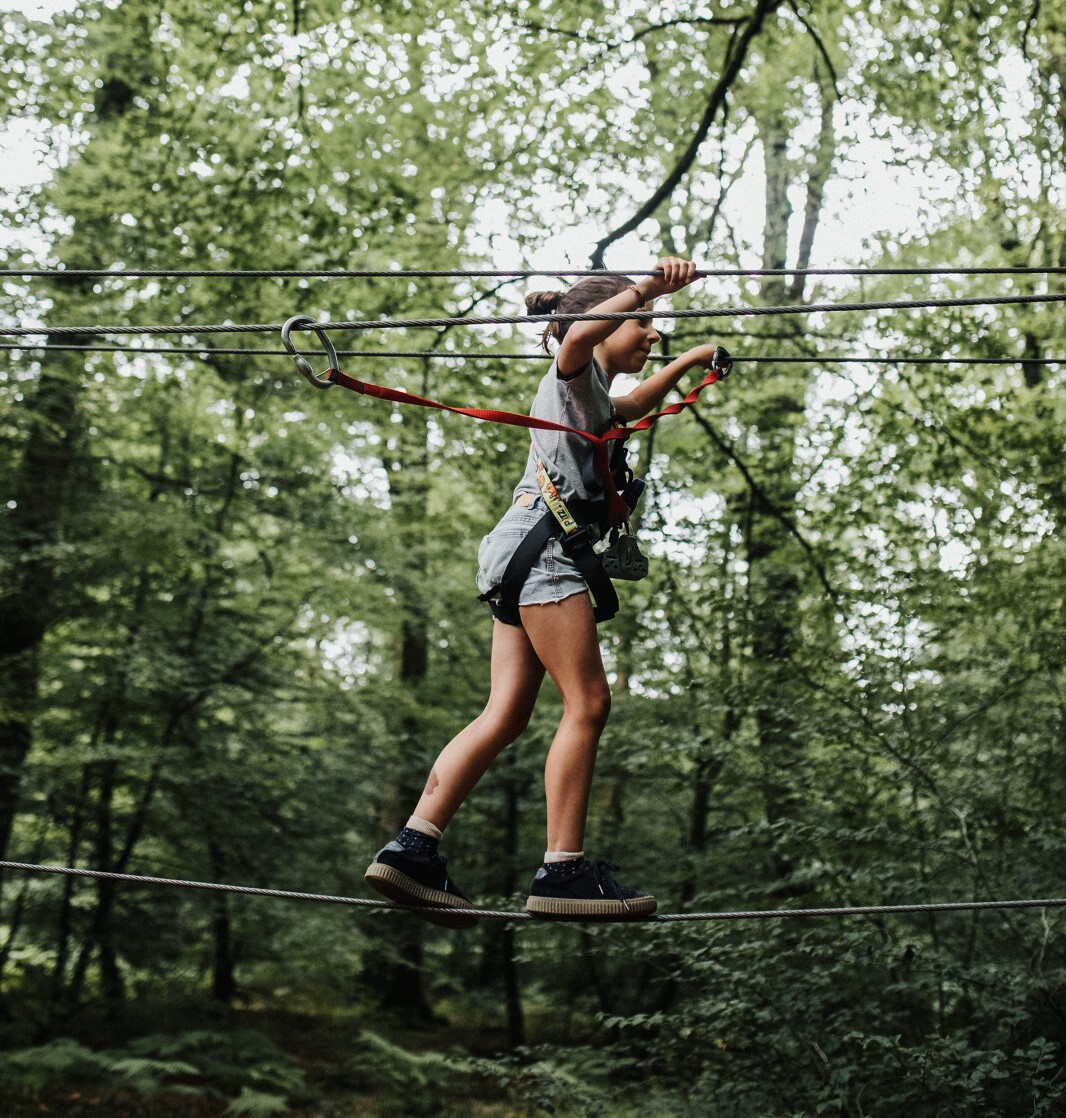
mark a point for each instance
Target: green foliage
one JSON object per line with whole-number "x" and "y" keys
{"x": 257, "y": 1102}
{"x": 550, "y": 1081}
{"x": 842, "y": 683}
{"x": 410, "y": 1082}
{"x": 200, "y": 1062}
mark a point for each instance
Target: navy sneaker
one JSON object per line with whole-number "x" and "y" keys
{"x": 414, "y": 879}
{"x": 586, "y": 892}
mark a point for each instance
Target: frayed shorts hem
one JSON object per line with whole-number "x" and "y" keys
{"x": 506, "y": 617}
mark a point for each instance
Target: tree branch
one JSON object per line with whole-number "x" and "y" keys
{"x": 1030, "y": 23}
{"x": 643, "y": 32}
{"x": 730, "y": 71}
{"x": 820, "y": 45}
{"x": 690, "y": 21}
{"x": 825, "y": 149}
{"x": 731, "y": 454}
{"x": 566, "y": 33}
{"x": 725, "y": 185}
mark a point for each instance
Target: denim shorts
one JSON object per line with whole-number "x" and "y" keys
{"x": 553, "y": 577}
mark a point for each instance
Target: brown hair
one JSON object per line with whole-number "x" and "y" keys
{"x": 583, "y": 296}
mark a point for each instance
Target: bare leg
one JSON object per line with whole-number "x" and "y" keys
{"x": 563, "y": 635}
{"x": 516, "y": 675}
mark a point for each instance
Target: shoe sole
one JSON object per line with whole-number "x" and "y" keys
{"x": 397, "y": 886}
{"x": 556, "y": 908}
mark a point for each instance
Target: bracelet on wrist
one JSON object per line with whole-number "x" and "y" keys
{"x": 641, "y": 297}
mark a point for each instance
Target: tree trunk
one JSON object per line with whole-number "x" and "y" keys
{"x": 395, "y": 976}
{"x": 34, "y": 526}
{"x": 223, "y": 965}
{"x": 773, "y": 572}
{"x": 33, "y": 529}
{"x": 100, "y": 936}
{"x": 65, "y": 918}
{"x": 499, "y": 957}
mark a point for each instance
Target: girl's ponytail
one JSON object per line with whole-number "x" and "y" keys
{"x": 583, "y": 296}
{"x": 543, "y": 302}
{"x": 546, "y": 302}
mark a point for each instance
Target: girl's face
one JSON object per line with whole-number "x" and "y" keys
{"x": 627, "y": 349}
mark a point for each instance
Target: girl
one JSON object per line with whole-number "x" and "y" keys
{"x": 552, "y": 628}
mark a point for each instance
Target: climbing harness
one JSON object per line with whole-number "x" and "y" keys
{"x": 581, "y": 524}
{"x": 622, "y": 558}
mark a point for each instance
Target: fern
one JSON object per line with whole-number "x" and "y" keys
{"x": 32, "y": 1069}
{"x": 410, "y": 1083}
{"x": 244, "y": 1066}
{"x": 146, "y": 1076}
{"x": 169, "y": 1045}
{"x": 257, "y": 1103}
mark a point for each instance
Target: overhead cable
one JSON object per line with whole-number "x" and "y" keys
{"x": 516, "y": 320}
{"x": 489, "y": 355}
{"x": 488, "y": 273}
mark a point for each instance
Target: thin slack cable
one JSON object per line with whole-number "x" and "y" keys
{"x": 837, "y": 912}
{"x": 243, "y": 890}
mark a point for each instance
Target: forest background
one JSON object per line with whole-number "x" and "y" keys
{"x": 237, "y": 616}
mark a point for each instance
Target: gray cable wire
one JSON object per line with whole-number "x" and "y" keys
{"x": 484, "y": 273}
{"x": 488, "y": 355}
{"x": 515, "y": 320}
{"x": 509, "y": 914}
{"x": 244, "y": 890}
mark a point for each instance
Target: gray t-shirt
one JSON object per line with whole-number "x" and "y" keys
{"x": 584, "y": 402}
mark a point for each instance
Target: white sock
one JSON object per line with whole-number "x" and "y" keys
{"x": 562, "y": 856}
{"x": 423, "y": 826}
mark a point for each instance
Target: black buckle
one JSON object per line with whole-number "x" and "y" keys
{"x": 722, "y": 361}
{"x": 582, "y": 538}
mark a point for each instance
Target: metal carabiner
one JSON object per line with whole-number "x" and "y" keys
{"x": 303, "y": 321}
{"x": 722, "y": 362}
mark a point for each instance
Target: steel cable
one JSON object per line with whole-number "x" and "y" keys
{"x": 515, "y": 320}
{"x": 488, "y": 355}
{"x": 487, "y": 273}
{"x": 511, "y": 914}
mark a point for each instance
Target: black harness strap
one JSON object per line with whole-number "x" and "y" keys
{"x": 590, "y": 564}
{"x": 577, "y": 547}
{"x": 517, "y": 570}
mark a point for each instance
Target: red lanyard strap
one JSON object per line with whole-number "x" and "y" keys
{"x": 617, "y": 509}
{"x": 721, "y": 367}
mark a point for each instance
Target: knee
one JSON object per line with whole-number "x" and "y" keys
{"x": 505, "y": 726}
{"x": 594, "y": 705}
{"x": 603, "y": 705}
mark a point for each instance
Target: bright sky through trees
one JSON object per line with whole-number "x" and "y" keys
{"x": 876, "y": 193}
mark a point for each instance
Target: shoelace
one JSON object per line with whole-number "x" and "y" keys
{"x": 602, "y": 871}
{"x": 448, "y": 887}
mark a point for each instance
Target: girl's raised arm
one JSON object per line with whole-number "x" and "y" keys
{"x": 650, "y": 393}
{"x": 575, "y": 351}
